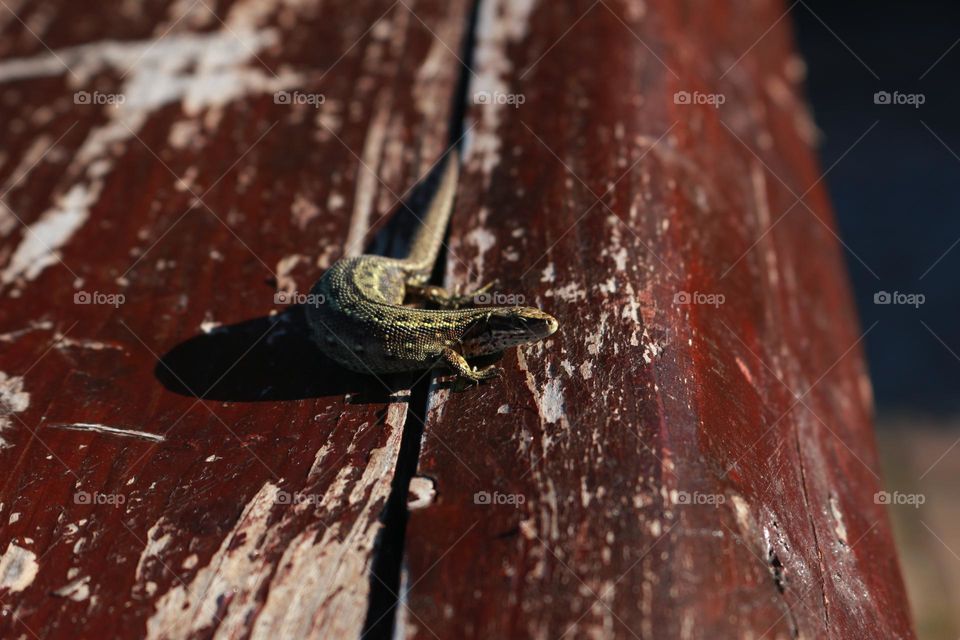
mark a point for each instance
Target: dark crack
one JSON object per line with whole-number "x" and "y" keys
{"x": 386, "y": 572}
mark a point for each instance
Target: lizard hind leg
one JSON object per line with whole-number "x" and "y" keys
{"x": 463, "y": 369}
{"x": 446, "y": 299}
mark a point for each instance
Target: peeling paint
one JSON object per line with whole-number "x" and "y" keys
{"x": 235, "y": 573}
{"x": 18, "y": 568}
{"x": 13, "y": 399}
{"x": 549, "y": 399}
{"x": 64, "y": 342}
{"x": 501, "y": 23}
{"x": 571, "y": 292}
{"x": 840, "y": 528}
{"x": 12, "y": 336}
{"x": 77, "y": 590}
{"x": 422, "y": 493}
{"x": 483, "y": 240}
{"x": 42, "y": 241}
{"x": 304, "y": 210}
{"x": 318, "y": 584}
{"x": 321, "y": 584}
{"x": 197, "y": 70}
{"x": 116, "y": 431}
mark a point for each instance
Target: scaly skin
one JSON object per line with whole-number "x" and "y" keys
{"x": 363, "y": 325}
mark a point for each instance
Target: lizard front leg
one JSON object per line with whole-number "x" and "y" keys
{"x": 444, "y": 298}
{"x": 463, "y": 369}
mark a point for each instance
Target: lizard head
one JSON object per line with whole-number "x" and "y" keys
{"x": 506, "y": 327}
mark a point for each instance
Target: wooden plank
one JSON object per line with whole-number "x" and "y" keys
{"x": 166, "y": 206}
{"x": 692, "y": 454}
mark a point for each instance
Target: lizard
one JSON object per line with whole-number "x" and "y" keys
{"x": 359, "y": 318}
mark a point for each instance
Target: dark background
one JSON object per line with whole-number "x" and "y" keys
{"x": 896, "y": 192}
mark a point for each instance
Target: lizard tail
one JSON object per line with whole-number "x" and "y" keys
{"x": 429, "y": 238}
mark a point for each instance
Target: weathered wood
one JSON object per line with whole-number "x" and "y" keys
{"x": 253, "y": 512}
{"x": 701, "y": 469}
{"x": 685, "y": 470}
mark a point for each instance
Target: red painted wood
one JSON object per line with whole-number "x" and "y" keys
{"x": 197, "y": 199}
{"x": 660, "y": 468}
{"x": 663, "y": 468}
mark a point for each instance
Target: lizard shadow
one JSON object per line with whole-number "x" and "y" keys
{"x": 272, "y": 358}
{"x": 266, "y": 359}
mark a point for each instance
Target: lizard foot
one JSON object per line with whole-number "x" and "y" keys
{"x": 466, "y": 372}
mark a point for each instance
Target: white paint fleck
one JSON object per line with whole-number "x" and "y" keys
{"x": 65, "y": 342}
{"x": 586, "y": 370}
{"x": 43, "y": 240}
{"x": 14, "y": 518}
{"x": 745, "y": 370}
{"x": 78, "y": 590}
{"x": 620, "y": 258}
{"x": 335, "y": 201}
{"x": 840, "y": 527}
{"x": 551, "y": 402}
{"x": 422, "y": 493}
{"x": 209, "y": 325}
{"x": 762, "y": 204}
{"x": 156, "y": 543}
{"x": 572, "y": 292}
{"x": 304, "y": 210}
{"x": 18, "y": 568}
{"x": 651, "y": 349}
{"x": 183, "y": 134}
{"x": 13, "y": 399}
{"x": 483, "y": 240}
{"x": 12, "y": 336}
{"x": 742, "y": 512}
{"x": 549, "y": 273}
{"x": 116, "y": 431}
